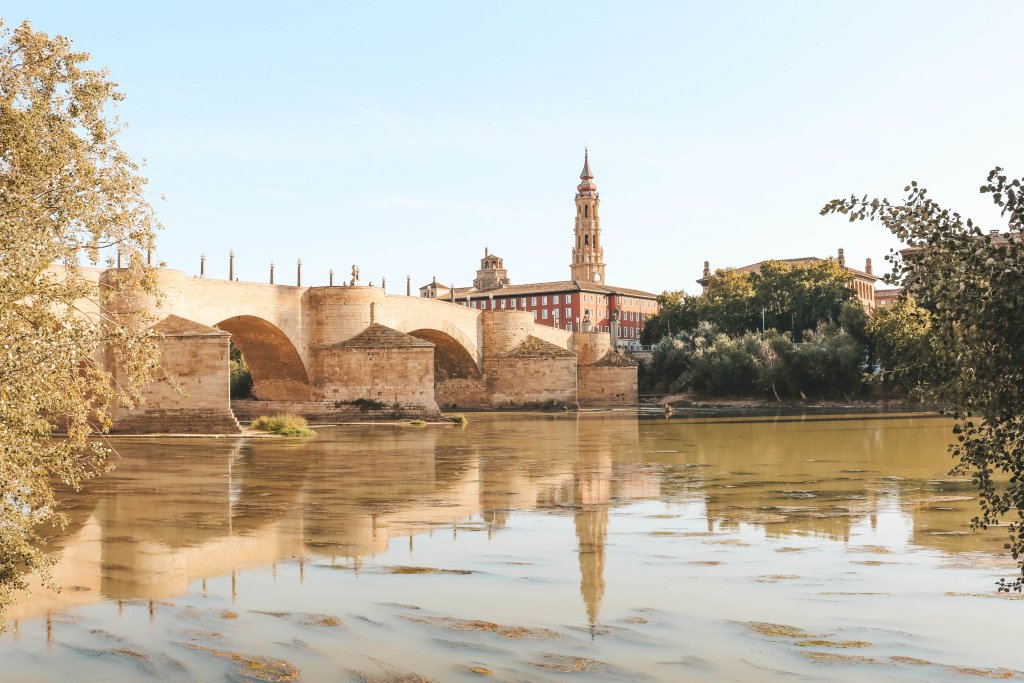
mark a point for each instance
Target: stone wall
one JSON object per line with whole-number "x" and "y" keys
{"x": 196, "y": 357}
{"x": 607, "y": 385}
{"x": 378, "y": 364}
{"x": 605, "y": 377}
{"x": 461, "y": 393}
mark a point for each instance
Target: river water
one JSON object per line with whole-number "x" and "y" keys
{"x": 528, "y": 548}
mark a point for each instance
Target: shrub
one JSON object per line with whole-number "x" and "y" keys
{"x": 285, "y": 424}
{"x": 829, "y": 363}
{"x": 460, "y": 420}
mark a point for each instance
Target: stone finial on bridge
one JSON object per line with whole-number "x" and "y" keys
{"x": 384, "y": 283}
{"x": 298, "y": 273}
{"x": 408, "y": 285}
{"x": 330, "y": 277}
{"x": 202, "y": 265}
{"x": 231, "y": 265}
{"x": 271, "y": 272}
{"x": 355, "y": 275}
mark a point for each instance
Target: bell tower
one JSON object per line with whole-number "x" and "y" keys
{"x": 587, "y": 253}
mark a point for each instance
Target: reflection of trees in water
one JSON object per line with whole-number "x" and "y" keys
{"x": 818, "y": 475}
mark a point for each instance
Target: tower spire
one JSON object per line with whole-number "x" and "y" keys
{"x": 586, "y": 174}
{"x": 587, "y": 254}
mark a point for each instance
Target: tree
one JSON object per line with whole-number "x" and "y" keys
{"x": 972, "y": 285}
{"x": 729, "y": 302}
{"x": 900, "y": 336}
{"x": 68, "y": 193}
{"x": 797, "y": 296}
{"x": 676, "y": 311}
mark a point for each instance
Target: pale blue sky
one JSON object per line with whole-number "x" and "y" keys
{"x": 406, "y": 137}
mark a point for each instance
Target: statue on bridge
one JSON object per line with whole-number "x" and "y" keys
{"x": 355, "y": 275}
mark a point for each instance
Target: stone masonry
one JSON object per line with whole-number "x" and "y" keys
{"x": 314, "y": 348}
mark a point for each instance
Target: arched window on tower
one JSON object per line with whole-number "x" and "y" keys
{"x": 586, "y": 240}
{"x": 586, "y": 211}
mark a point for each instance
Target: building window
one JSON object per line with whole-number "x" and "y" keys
{"x": 512, "y": 302}
{"x": 568, "y": 327}
{"x": 522, "y": 302}
{"x": 586, "y": 211}
{"x": 554, "y": 299}
{"x": 535, "y": 316}
{"x": 568, "y": 313}
{"x": 544, "y": 314}
{"x": 503, "y": 303}
{"x": 568, "y": 298}
{"x": 533, "y": 301}
{"x": 543, "y": 301}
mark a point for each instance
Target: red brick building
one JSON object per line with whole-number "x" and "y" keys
{"x": 584, "y": 299}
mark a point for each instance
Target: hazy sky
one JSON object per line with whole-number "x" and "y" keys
{"x": 406, "y": 137}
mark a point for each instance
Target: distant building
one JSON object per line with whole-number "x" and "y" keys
{"x": 582, "y": 302}
{"x": 862, "y": 282}
{"x": 885, "y": 298}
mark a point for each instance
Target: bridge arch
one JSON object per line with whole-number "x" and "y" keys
{"x": 452, "y": 360}
{"x": 278, "y": 373}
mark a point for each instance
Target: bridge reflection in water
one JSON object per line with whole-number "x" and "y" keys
{"x": 180, "y": 510}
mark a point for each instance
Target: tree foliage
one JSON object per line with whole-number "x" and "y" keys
{"x": 971, "y": 283}
{"x": 676, "y": 311}
{"x": 900, "y": 335}
{"x": 781, "y": 295}
{"x": 797, "y": 296}
{"x": 68, "y": 193}
{"x": 828, "y": 364}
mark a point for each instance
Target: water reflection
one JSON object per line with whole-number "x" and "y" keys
{"x": 528, "y": 545}
{"x": 175, "y": 511}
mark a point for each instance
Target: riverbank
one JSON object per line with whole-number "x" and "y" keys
{"x": 727, "y": 403}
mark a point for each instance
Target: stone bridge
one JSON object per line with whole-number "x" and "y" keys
{"x": 327, "y": 351}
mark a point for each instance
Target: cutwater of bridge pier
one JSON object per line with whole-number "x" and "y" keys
{"x": 335, "y": 352}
